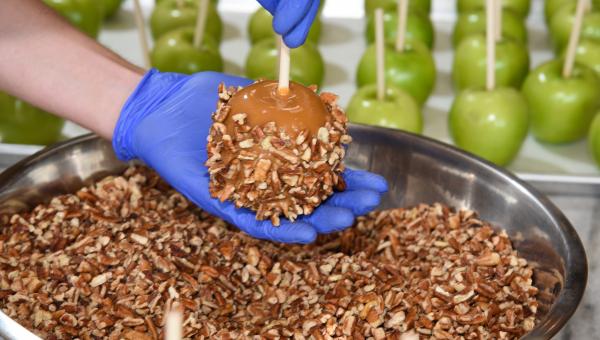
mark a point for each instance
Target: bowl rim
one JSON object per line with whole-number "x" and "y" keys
{"x": 572, "y": 290}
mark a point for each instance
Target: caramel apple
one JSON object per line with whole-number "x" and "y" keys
{"x": 276, "y": 154}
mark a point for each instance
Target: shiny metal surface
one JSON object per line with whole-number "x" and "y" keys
{"x": 419, "y": 170}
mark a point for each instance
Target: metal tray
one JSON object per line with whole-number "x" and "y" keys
{"x": 555, "y": 168}
{"x": 419, "y": 170}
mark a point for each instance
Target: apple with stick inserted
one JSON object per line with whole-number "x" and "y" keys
{"x": 423, "y": 6}
{"x": 490, "y": 122}
{"x": 418, "y": 27}
{"x": 563, "y": 96}
{"x": 171, "y": 14}
{"x": 563, "y": 20}
{"x": 381, "y": 104}
{"x": 473, "y": 23}
{"x": 520, "y": 7}
{"x": 188, "y": 49}
{"x": 409, "y": 65}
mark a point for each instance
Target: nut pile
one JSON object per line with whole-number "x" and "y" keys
{"x": 107, "y": 261}
{"x": 270, "y": 169}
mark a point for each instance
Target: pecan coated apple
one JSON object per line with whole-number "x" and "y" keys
{"x": 276, "y": 154}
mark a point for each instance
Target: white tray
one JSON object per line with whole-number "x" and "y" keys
{"x": 342, "y": 45}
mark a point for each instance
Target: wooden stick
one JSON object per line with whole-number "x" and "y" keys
{"x": 402, "y": 8}
{"x": 179, "y": 4}
{"x": 574, "y": 39}
{"x": 490, "y": 75}
{"x": 200, "y": 23}
{"x": 380, "y": 54}
{"x": 141, "y": 29}
{"x": 498, "y": 18}
{"x": 283, "y": 88}
{"x": 174, "y": 323}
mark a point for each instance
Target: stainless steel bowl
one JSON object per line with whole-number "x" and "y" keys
{"x": 418, "y": 169}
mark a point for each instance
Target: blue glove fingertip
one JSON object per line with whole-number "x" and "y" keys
{"x": 361, "y": 179}
{"x": 359, "y": 201}
{"x": 298, "y": 34}
{"x": 328, "y": 219}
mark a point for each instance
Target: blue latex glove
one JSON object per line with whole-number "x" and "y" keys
{"x": 165, "y": 123}
{"x": 292, "y": 18}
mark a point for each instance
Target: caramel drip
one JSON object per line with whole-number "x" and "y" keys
{"x": 301, "y": 109}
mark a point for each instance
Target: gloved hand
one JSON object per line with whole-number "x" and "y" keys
{"x": 165, "y": 123}
{"x": 292, "y": 18}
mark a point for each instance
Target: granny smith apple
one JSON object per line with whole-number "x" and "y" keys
{"x": 423, "y": 6}
{"x": 398, "y": 110}
{"x": 551, "y": 6}
{"x": 469, "y": 23}
{"x": 561, "y": 109}
{"x": 21, "y": 123}
{"x": 520, "y": 7}
{"x": 261, "y": 27}
{"x": 86, "y": 15}
{"x": 491, "y": 124}
{"x": 167, "y": 16}
{"x": 418, "y": 27}
{"x": 175, "y": 52}
{"x": 469, "y": 68}
{"x": 306, "y": 66}
{"x": 110, "y": 7}
{"x": 594, "y": 138}
{"x": 562, "y": 22}
{"x": 412, "y": 70}
{"x": 588, "y": 54}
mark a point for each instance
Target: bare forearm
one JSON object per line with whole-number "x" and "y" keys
{"x": 55, "y": 67}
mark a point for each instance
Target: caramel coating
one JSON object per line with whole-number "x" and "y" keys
{"x": 301, "y": 109}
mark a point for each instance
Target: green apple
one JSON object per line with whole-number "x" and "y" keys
{"x": 418, "y": 27}
{"x": 412, "y": 70}
{"x": 423, "y": 6}
{"x": 398, "y": 110}
{"x": 175, "y": 52}
{"x": 491, "y": 124}
{"x": 561, "y": 109}
{"x": 551, "y": 6}
{"x": 86, "y": 15}
{"x": 469, "y": 23}
{"x": 261, "y": 27}
{"x": 520, "y": 7}
{"x": 588, "y": 54}
{"x": 594, "y": 138}
{"x": 21, "y": 123}
{"x": 167, "y": 16}
{"x": 469, "y": 69}
{"x": 562, "y": 22}
{"x": 306, "y": 66}
{"x": 110, "y": 7}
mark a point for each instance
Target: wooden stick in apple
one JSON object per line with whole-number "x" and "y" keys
{"x": 179, "y": 3}
{"x": 283, "y": 88}
{"x": 200, "y": 23}
{"x": 574, "y": 39}
{"x": 174, "y": 323}
{"x": 141, "y": 29}
{"x": 401, "y": 29}
{"x": 490, "y": 76}
{"x": 380, "y": 54}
